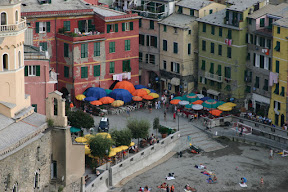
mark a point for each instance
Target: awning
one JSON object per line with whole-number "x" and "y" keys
{"x": 175, "y": 81}
{"x": 213, "y": 92}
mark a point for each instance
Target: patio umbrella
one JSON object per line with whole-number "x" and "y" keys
{"x": 87, "y": 150}
{"x": 74, "y": 129}
{"x": 197, "y": 107}
{"x": 140, "y": 86}
{"x": 200, "y": 96}
{"x": 88, "y": 136}
{"x": 81, "y": 140}
{"x": 80, "y": 97}
{"x": 147, "y": 90}
{"x": 175, "y": 101}
{"x": 124, "y": 147}
{"x": 97, "y": 92}
{"x": 191, "y": 96}
{"x": 148, "y": 97}
{"x": 230, "y": 104}
{"x": 220, "y": 103}
{"x": 125, "y": 85}
{"x": 117, "y": 149}
{"x": 131, "y": 144}
{"x": 179, "y": 98}
{"x": 112, "y": 154}
{"x": 189, "y": 106}
{"x": 205, "y": 98}
{"x": 137, "y": 98}
{"x": 215, "y": 112}
{"x": 108, "y": 91}
{"x": 224, "y": 108}
{"x": 103, "y": 134}
{"x": 90, "y": 99}
{"x": 139, "y": 92}
{"x": 199, "y": 102}
{"x": 106, "y": 100}
{"x": 117, "y": 103}
{"x": 152, "y": 91}
{"x": 97, "y": 102}
{"x": 209, "y": 106}
{"x": 183, "y": 102}
{"x": 154, "y": 95}
{"x": 121, "y": 94}
{"x": 210, "y": 101}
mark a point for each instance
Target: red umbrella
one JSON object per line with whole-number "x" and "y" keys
{"x": 148, "y": 97}
{"x": 125, "y": 85}
{"x": 96, "y": 102}
{"x": 139, "y": 92}
{"x": 137, "y": 98}
{"x": 175, "y": 101}
{"x": 106, "y": 100}
{"x": 199, "y": 102}
{"x": 215, "y": 112}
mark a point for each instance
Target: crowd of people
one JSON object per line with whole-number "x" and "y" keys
{"x": 258, "y": 118}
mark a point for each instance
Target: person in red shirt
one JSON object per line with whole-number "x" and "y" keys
{"x": 174, "y": 116}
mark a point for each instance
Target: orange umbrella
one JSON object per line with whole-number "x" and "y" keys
{"x": 106, "y": 100}
{"x": 175, "y": 101}
{"x": 137, "y": 98}
{"x": 199, "y": 102}
{"x": 125, "y": 85}
{"x": 139, "y": 92}
{"x": 215, "y": 112}
{"x": 148, "y": 97}
{"x": 97, "y": 102}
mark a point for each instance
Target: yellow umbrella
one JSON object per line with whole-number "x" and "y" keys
{"x": 132, "y": 144}
{"x": 117, "y": 103}
{"x": 224, "y": 108}
{"x": 124, "y": 147}
{"x": 81, "y": 140}
{"x": 147, "y": 90}
{"x": 88, "y": 136}
{"x": 87, "y": 150}
{"x": 155, "y": 95}
{"x": 80, "y": 97}
{"x": 117, "y": 149}
{"x": 230, "y": 104}
{"x": 103, "y": 134}
{"x": 112, "y": 153}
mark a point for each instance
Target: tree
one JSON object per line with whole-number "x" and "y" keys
{"x": 139, "y": 128}
{"x": 100, "y": 146}
{"x": 80, "y": 119}
{"x": 122, "y": 137}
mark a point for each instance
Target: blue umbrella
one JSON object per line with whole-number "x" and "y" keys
{"x": 121, "y": 94}
{"x": 96, "y": 92}
{"x": 90, "y": 99}
{"x": 205, "y": 98}
{"x": 152, "y": 91}
{"x": 140, "y": 86}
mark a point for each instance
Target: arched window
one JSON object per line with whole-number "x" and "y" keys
{"x": 5, "y": 61}
{"x": 55, "y": 107}
{"x": 3, "y": 18}
{"x": 36, "y": 179}
{"x": 16, "y": 17}
{"x": 19, "y": 58}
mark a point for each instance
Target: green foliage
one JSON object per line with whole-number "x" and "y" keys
{"x": 122, "y": 137}
{"x": 156, "y": 123}
{"x": 139, "y": 128}
{"x": 163, "y": 129}
{"x": 50, "y": 122}
{"x": 60, "y": 188}
{"x": 80, "y": 119}
{"x": 100, "y": 146}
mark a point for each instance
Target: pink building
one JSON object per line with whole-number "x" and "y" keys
{"x": 38, "y": 80}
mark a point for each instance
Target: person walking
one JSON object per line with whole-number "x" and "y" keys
{"x": 167, "y": 188}
{"x": 271, "y": 154}
{"x": 150, "y": 107}
{"x": 165, "y": 113}
{"x": 156, "y": 105}
{"x": 174, "y": 116}
{"x": 172, "y": 188}
{"x": 261, "y": 181}
{"x": 159, "y": 104}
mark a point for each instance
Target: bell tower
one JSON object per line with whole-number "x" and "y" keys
{"x": 12, "y": 29}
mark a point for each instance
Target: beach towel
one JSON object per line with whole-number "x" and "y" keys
{"x": 242, "y": 184}
{"x": 170, "y": 178}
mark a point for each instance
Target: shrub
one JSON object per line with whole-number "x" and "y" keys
{"x": 80, "y": 119}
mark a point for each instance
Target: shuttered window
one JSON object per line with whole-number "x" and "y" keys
{"x": 84, "y": 50}
{"x": 126, "y": 66}
{"x": 127, "y": 45}
{"x": 111, "y": 47}
{"x": 66, "y": 50}
{"x": 96, "y": 70}
{"x": 84, "y": 72}
{"x": 66, "y": 71}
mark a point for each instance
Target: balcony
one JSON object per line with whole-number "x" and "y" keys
{"x": 81, "y": 37}
{"x": 13, "y": 27}
{"x": 213, "y": 77}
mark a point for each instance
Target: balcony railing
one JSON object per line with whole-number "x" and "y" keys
{"x": 13, "y": 27}
{"x": 213, "y": 77}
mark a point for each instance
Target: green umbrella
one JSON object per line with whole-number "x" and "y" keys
{"x": 189, "y": 106}
{"x": 209, "y": 106}
{"x": 180, "y": 98}
{"x": 74, "y": 129}
{"x": 108, "y": 91}
{"x": 220, "y": 103}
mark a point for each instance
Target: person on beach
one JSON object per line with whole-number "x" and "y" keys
{"x": 172, "y": 188}
{"x": 140, "y": 189}
{"x": 167, "y": 188}
{"x": 271, "y": 154}
{"x": 261, "y": 181}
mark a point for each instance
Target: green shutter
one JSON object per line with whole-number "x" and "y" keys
{"x": 128, "y": 66}
{"x": 203, "y": 65}
{"x": 140, "y": 22}
{"x": 211, "y": 68}
{"x": 37, "y": 27}
{"x": 229, "y": 34}
{"x": 219, "y": 49}
{"x": 164, "y": 28}
{"x": 116, "y": 27}
{"x": 66, "y": 50}
{"x": 66, "y": 71}
{"x": 123, "y": 26}
{"x": 123, "y": 66}
{"x": 262, "y": 22}
{"x": 48, "y": 26}
{"x": 189, "y": 48}
{"x": 84, "y": 72}
{"x": 37, "y": 70}
{"x": 191, "y": 12}
{"x": 86, "y": 50}
{"x": 178, "y": 68}
{"x": 108, "y": 28}
{"x": 277, "y": 66}
{"x": 96, "y": 70}
{"x": 219, "y": 72}
{"x": 111, "y": 68}
{"x": 97, "y": 49}
{"x": 131, "y": 26}
{"x": 278, "y": 30}
{"x": 212, "y": 29}
{"x": 26, "y": 71}
{"x": 220, "y": 32}
{"x": 151, "y": 24}
{"x": 204, "y": 27}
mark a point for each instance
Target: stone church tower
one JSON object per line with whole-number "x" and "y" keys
{"x": 12, "y": 27}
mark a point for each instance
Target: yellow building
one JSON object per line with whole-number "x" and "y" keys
{"x": 278, "y": 103}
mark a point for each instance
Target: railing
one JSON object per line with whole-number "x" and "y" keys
{"x": 213, "y": 77}
{"x": 13, "y": 27}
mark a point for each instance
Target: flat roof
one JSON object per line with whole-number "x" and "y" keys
{"x": 178, "y": 20}
{"x": 194, "y": 4}
{"x": 106, "y": 12}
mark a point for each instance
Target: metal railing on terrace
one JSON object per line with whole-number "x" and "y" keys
{"x": 13, "y": 27}
{"x": 213, "y": 77}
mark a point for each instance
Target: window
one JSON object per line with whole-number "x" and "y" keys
{"x": 248, "y": 57}
{"x": 265, "y": 87}
{"x": 203, "y": 45}
{"x": 175, "y": 47}
{"x": 43, "y": 46}
{"x": 261, "y": 61}
{"x": 248, "y": 89}
{"x": 249, "y": 21}
{"x": 16, "y": 17}
{"x": 229, "y": 50}
{"x": 127, "y": 45}
{"x": 140, "y": 56}
{"x": 66, "y": 50}
{"x": 277, "y": 105}
{"x": 19, "y": 58}
{"x": 212, "y": 83}
{"x": 32, "y": 70}
{"x": 151, "y": 24}
{"x": 211, "y": 68}
{"x": 180, "y": 9}
{"x": 276, "y": 91}
{"x": 219, "y": 49}
{"x": 219, "y": 70}
{"x": 256, "y": 82}
{"x": 66, "y": 25}
{"x": 126, "y": 66}
{"x": 111, "y": 47}
{"x": 164, "y": 65}
{"x": 229, "y": 34}
{"x": 141, "y": 39}
{"x": 282, "y": 91}
{"x": 262, "y": 41}
{"x": 213, "y": 30}
{"x": 278, "y": 30}
{"x": 251, "y": 38}
{"x": 147, "y": 58}
{"x": 151, "y": 59}
{"x": 96, "y": 49}
{"x": 204, "y": 27}
{"x": 212, "y": 48}
{"x": 164, "y": 28}
{"x": 96, "y": 70}
{"x": 210, "y": 11}
{"x": 128, "y": 26}
{"x": 66, "y": 71}
{"x": 175, "y": 29}
{"x": 247, "y": 38}
{"x": 140, "y": 22}
{"x": 164, "y": 45}
{"x": 84, "y": 72}
{"x": 220, "y": 32}
{"x": 147, "y": 40}
{"x": 3, "y": 18}
{"x": 84, "y": 50}
{"x": 228, "y": 88}
{"x": 191, "y": 12}
{"x": 227, "y": 72}
{"x": 189, "y": 48}
{"x": 35, "y": 110}
{"x": 153, "y": 41}
{"x": 111, "y": 28}
{"x": 42, "y": 27}
{"x": 203, "y": 65}
{"x": 277, "y": 66}
{"x": 36, "y": 179}
{"x": 189, "y": 32}
{"x": 5, "y": 61}
{"x": 268, "y": 44}
{"x": 277, "y": 48}
{"x": 54, "y": 169}
{"x": 262, "y": 22}
{"x": 175, "y": 67}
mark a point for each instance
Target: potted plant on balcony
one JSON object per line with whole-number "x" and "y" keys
{"x": 164, "y": 131}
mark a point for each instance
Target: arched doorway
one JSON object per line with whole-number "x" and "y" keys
{"x": 204, "y": 91}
